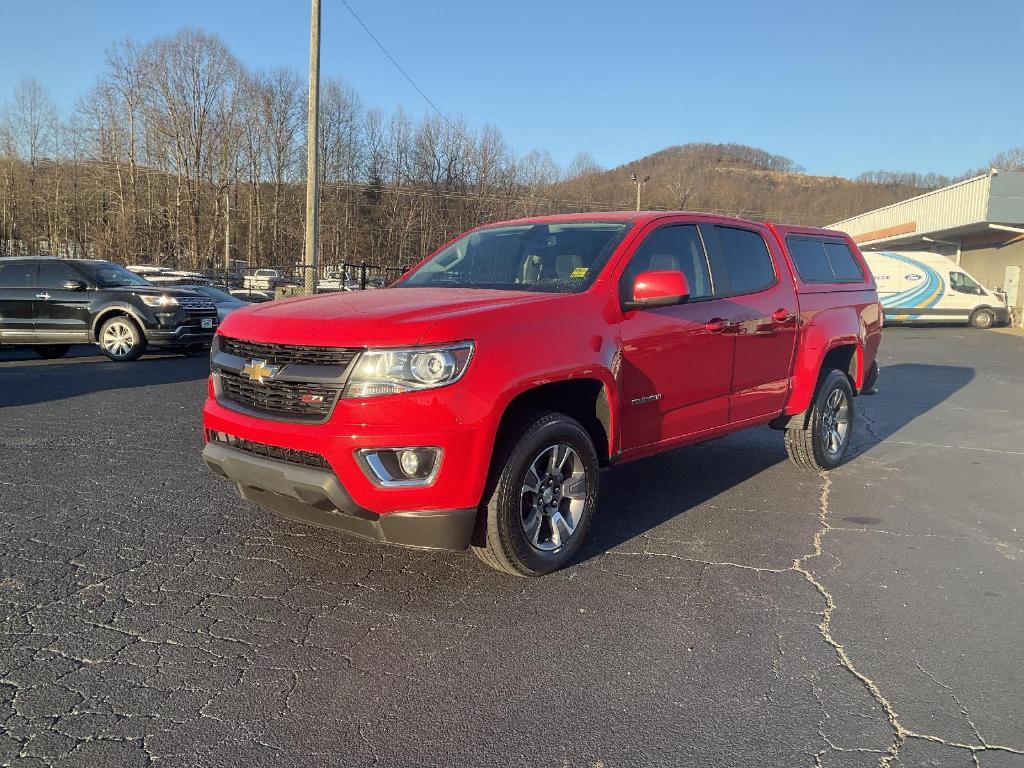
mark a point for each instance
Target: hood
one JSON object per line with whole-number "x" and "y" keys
{"x": 384, "y": 317}
{"x": 150, "y": 290}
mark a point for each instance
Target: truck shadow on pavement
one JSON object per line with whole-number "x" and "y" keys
{"x": 25, "y": 379}
{"x": 639, "y": 496}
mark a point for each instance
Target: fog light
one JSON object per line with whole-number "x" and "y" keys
{"x": 399, "y": 467}
{"x": 409, "y": 462}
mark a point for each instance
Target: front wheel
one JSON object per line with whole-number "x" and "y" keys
{"x": 121, "y": 339}
{"x": 822, "y": 440}
{"x": 542, "y": 495}
{"x": 51, "y": 351}
{"x": 983, "y": 318}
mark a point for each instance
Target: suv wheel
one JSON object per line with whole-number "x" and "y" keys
{"x": 542, "y": 496}
{"x": 822, "y": 441}
{"x": 121, "y": 339}
{"x": 983, "y": 318}
{"x": 51, "y": 351}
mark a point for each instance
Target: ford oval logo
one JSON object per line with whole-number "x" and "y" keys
{"x": 913, "y": 276}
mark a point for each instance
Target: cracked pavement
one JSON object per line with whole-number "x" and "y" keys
{"x": 729, "y": 610}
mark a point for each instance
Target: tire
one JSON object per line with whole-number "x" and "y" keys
{"x": 192, "y": 350}
{"x": 820, "y": 444}
{"x": 983, "y": 318}
{"x": 51, "y": 351}
{"x": 121, "y": 339}
{"x": 541, "y": 496}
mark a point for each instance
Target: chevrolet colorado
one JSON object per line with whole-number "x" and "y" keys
{"x": 474, "y": 402}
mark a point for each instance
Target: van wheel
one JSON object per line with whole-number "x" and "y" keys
{"x": 541, "y": 497}
{"x": 121, "y": 339}
{"x": 983, "y": 318}
{"x": 821, "y": 443}
{"x": 51, "y": 351}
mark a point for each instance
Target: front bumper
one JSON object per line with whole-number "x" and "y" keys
{"x": 180, "y": 332}
{"x": 1002, "y": 315}
{"x": 317, "y": 496}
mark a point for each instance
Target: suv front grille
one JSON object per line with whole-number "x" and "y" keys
{"x": 291, "y": 455}
{"x": 293, "y": 400}
{"x": 196, "y": 302}
{"x": 287, "y": 354}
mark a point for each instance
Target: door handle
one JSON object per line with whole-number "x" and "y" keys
{"x": 715, "y": 325}
{"x": 782, "y": 315}
{"x": 42, "y": 295}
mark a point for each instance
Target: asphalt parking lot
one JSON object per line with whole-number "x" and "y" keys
{"x": 730, "y": 610}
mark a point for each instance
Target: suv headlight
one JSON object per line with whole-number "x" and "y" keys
{"x": 159, "y": 301}
{"x": 391, "y": 371}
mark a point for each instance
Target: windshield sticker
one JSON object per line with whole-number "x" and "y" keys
{"x": 579, "y": 272}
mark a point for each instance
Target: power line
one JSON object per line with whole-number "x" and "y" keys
{"x": 399, "y": 67}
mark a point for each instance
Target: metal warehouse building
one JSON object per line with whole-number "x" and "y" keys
{"x": 979, "y": 223}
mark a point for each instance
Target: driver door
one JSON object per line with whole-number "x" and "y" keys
{"x": 677, "y": 361}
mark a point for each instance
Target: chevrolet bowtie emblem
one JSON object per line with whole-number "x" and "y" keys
{"x": 258, "y": 370}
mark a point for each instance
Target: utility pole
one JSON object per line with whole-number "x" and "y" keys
{"x": 640, "y": 184}
{"x": 227, "y": 230}
{"x": 311, "y": 257}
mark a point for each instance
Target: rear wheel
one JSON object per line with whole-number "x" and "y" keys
{"x": 121, "y": 339}
{"x": 983, "y": 318}
{"x": 51, "y": 351}
{"x": 822, "y": 440}
{"x": 543, "y": 494}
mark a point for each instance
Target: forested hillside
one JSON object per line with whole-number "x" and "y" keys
{"x": 182, "y": 156}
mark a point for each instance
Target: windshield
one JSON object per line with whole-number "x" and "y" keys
{"x": 108, "y": 275}
{"x": 555, "y": 258}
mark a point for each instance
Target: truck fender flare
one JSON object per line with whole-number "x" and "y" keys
{"x": 814, "y": 346}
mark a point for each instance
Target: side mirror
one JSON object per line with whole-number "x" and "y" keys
{"x": 658, "y": 289}
{"x": 74, "y": 285}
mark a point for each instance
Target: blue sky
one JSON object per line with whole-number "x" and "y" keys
{"x": 840, "y": 87}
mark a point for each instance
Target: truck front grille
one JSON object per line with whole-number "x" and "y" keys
{"x": 291, "y": 400}
{"x": 291, "y": 455}
{"x": 287, "y": 354}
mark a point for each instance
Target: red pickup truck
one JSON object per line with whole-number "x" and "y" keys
{"x": 474, "y": 402}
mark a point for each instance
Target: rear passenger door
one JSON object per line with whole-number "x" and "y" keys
{"x": 760, "y": 307}
{"x": 17, "y": 294}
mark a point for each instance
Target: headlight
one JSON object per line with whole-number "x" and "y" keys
{"x": 391, "y": 371}
{"x": 159, "y": 301}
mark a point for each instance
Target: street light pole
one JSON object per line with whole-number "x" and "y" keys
{"x": 640, "y": 184}
{"x": 311, "y": 256}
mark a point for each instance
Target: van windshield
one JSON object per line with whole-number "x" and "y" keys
{"x": 563, "y": 257}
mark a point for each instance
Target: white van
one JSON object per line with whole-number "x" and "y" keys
{"x": 922, "y": 287}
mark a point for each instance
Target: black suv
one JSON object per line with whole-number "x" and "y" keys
{"x": 49, "y": 304}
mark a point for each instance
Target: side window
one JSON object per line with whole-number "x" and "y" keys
{"x": 844, "y": 265}
{"x": 810, "y": 260}
{"x": 53, "y": 274}
{"x": 675, "y": 247}
{"x": 745, "y": 260}
{"x": 19, "y": 274}
{"x": 820, "y": 261}
{"x": 962, "y": 283}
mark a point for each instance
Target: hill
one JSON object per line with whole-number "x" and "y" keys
{"x": 743, "y": 181}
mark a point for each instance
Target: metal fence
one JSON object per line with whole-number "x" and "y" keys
{"x": 276, "y": 282}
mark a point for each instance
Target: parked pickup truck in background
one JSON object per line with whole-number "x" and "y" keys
{"x": 475, "y": 401}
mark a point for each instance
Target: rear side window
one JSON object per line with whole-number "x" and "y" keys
{"x": 745, "y": 261}
{"x": 821, "y": 261}
{"x": 677, "y": 248}
{"x": 20, "y": 274}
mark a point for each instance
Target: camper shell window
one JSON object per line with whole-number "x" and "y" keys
{"x": 824, "y": 261}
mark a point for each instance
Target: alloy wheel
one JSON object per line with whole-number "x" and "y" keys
{"x": 553, "y": 497}
{"x": 118, "y": 338}
{"x": 835, "y": 422}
